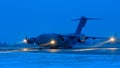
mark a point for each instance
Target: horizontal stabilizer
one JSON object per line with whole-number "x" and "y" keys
{"x": 82, "y": 23}
{"x": 87, "y": 19}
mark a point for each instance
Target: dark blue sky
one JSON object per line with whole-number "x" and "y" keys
{"x": 19, "y": 18}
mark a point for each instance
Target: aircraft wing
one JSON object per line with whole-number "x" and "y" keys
{"x": 111, "y": 39}
{"x": 96, "y": 37}
{"x": 86, "y": 37}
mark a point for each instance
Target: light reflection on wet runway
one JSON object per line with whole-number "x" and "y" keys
{"x": 63, "y": 58}
{"x": 103, "y": 51}
{"x": 39, "y": 59}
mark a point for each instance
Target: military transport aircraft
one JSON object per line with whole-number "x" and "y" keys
{"x": 54, "y": 40}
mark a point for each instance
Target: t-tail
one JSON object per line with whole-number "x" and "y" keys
{"x": 82, "y": 23}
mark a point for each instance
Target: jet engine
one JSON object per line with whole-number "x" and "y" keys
{"x": 81, "y": 39}
{"x": 64, "y": 39}
{"x": 78, "y": 40}
{"x": 29, "y": 40}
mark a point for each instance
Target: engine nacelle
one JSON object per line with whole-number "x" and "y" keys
{"x": 81, "y": 40}
{"x": 64, "y": 39}
{"x": 30, "y": 40}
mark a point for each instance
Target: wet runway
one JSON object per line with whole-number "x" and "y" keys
{"x": 50, "y": 60}
{"x": 93, "y": 51}
{"x": 60, "y": 58}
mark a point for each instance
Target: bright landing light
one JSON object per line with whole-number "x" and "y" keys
{"x": 112, "y": 39}
{"x": 25, "y": 41}
{"x": 52, "y": 42}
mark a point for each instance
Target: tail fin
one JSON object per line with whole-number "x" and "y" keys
{"x": 82, "y": 23}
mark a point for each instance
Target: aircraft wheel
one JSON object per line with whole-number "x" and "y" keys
{"x": 54, "y": 48}
{"x": 40, "y": 48}
{"x": 67, "y": 47}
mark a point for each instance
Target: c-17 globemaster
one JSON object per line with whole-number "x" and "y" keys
{"x": 54, "y": 40}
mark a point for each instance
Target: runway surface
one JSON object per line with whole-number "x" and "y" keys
{"x": 60, "y": 58}
{"x": 95, "y": 51}
{"x": 50, "y": 60}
